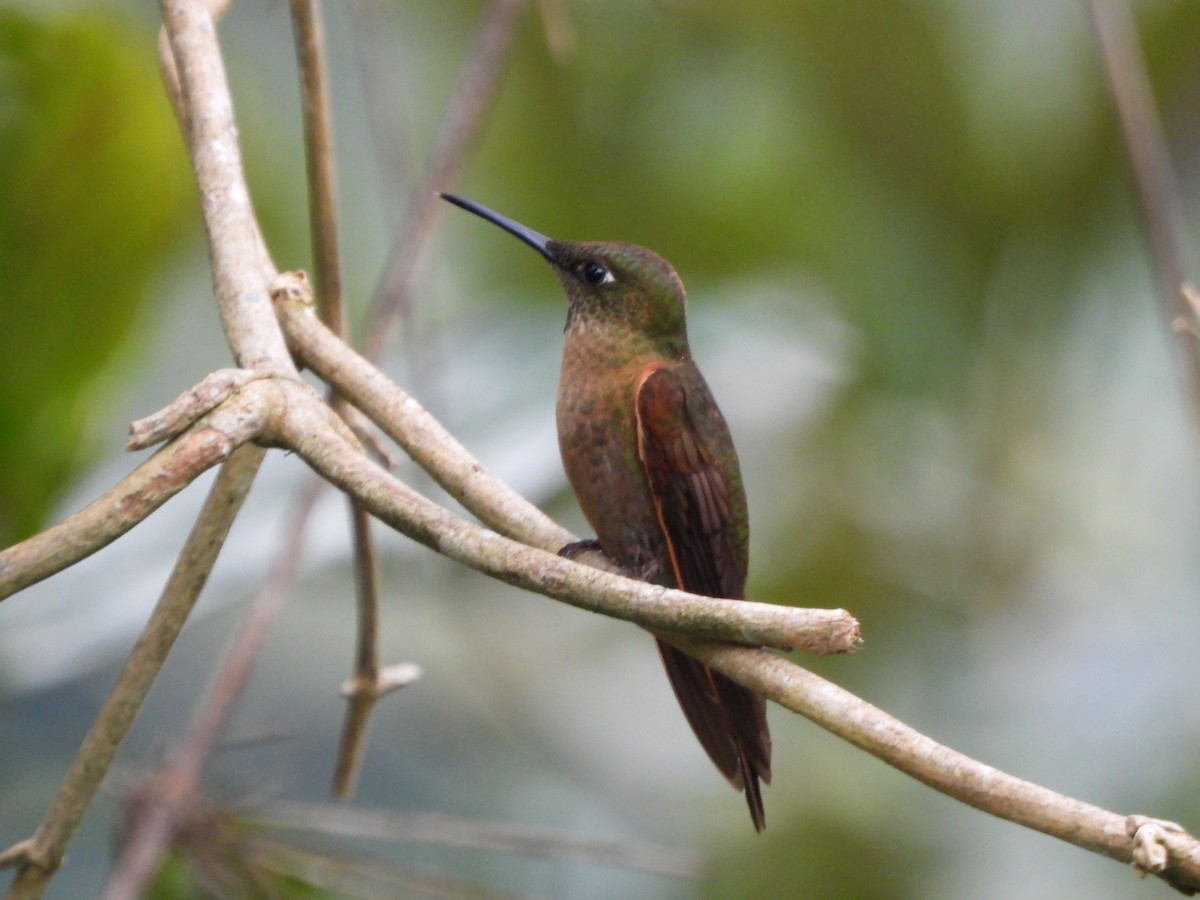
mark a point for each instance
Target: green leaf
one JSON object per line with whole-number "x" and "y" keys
{"x": 93, "y": 189}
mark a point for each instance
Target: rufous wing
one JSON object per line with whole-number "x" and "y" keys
{"x": 692, "y": 503}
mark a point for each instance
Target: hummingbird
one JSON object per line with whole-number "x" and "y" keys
{"x": 652, "y": 464}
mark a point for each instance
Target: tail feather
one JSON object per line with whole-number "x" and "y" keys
{"x": 729, "y": 721}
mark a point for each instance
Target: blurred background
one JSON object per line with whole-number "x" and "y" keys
{"x": 919, "y": 288}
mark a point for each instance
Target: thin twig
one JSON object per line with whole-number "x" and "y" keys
{"x": 346, "y": 875}
{"x": 363, "y": 687}
{"x": 44, "y": 851}
{"x": 1158, "y": 193}
{"x": 179, "y": 779}
{"x": 318, "y": 156}
{"x": 322, "y": 205}
{"x": 465, "y": 114}
{"x": 457, "y": 831}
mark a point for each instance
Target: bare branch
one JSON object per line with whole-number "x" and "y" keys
{"x": 403, "y": 419}
{"x": 282, "y": 410}
{"x": 126, "y": 504}
{"x": 363, "y": 688}
{"x": 41, "y": 855}
{"x": 305, "y": 430}
{"x": 166, "y": 64}
{"x": 183, "y": 412}
{"x": 211, "y": 439}
{"x": 299, "y": 420}
{"x": 241, "y": 268}
{"x": 318, "y": 145}
{"x": 318, "y": 155}
{"x": 947, "y": 771}
{"x": 179, "y": 779}
{"x": 1166, "y": 850}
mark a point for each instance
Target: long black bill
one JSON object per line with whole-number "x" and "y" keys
{"x": 538, "y": 242}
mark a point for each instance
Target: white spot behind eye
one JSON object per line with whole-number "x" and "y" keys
{"x": 595, "y": 274}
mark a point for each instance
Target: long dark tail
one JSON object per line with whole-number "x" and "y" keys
{"x": 729, "y": 721}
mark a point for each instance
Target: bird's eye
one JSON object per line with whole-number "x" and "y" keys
{"x": 595, "y": 274}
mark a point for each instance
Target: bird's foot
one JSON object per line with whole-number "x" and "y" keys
{"x": 580, "y": 548}
{"x": 590, "y": 553}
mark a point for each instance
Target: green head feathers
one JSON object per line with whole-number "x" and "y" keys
{"x": 609, "y": 285}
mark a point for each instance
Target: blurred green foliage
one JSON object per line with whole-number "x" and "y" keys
{"x": 93, "y": 189}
